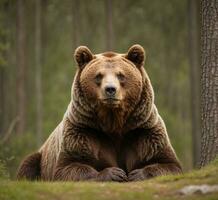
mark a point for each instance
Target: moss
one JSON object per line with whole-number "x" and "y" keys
{"x": 159, "y": 188}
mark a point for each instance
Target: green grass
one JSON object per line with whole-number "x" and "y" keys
{"x": 165, "y": 187}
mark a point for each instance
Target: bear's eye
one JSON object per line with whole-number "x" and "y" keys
{"x": 121, "y": 77}
{"x": 98, "y": 78}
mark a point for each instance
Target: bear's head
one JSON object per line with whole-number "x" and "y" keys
{"x": 113, "y": 84}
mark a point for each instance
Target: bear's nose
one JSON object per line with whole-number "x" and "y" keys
{"x": 110, "y": 90}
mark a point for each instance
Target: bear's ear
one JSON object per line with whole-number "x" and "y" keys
{"x": 83, "y": 56}
{"x": 136, "y": 54}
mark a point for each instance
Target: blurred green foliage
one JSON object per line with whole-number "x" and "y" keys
{"x": 160, "y": 26}
{"x": 4, "y": 175}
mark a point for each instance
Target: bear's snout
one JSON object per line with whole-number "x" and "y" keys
{"x": 110, "y": 91}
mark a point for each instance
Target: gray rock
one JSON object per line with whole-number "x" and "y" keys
{"x": 198, "y": 189}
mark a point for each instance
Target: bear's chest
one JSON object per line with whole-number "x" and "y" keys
{"x": 102, "y": 151}
{"x": 117, "y": 152}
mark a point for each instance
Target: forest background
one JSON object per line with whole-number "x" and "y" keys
{"x": 37, "y": 42}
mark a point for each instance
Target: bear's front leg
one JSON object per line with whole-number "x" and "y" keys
{"x": 75, "y": 172}
{"x": 163, "y": 163}
{"x": 154, "y": 170}
{"x": 112, "y": 174}
{"x": 151, "y": 154}
{"x": 69, "y": 170}
{"x": 79, "y": 158}
{"x": 81, "y": 172}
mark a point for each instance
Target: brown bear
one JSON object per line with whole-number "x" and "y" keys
{"x": 111, "y": 131}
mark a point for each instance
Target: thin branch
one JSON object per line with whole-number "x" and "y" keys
{"x": 10, "y": 130}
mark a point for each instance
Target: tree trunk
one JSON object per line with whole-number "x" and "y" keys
{"x": 2, "y": 70}
{"x": 194, "y": 46}
{"x": 2, "y": 99}
{"x": 109, "y": 25}
{"x": 75, "y": 23}
{"x": 21, "y": 67}
{"x": 209, "y": 80}
{"x": 38, "y": 64}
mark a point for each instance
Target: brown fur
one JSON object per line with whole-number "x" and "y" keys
{"x": 98, "y": 141}
{"x": 30, "y": 167}
{"x": 109, "y": 54}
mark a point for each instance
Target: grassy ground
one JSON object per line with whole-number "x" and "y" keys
{"x": 158, "y": 188}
